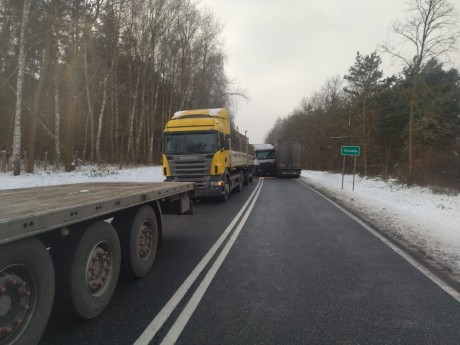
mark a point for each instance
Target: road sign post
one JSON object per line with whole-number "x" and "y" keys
{"x": 350, "y": 151}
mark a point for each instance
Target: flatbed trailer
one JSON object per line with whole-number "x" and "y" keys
{"x": 67, "y": 244}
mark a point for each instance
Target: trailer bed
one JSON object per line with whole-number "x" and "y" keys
{"x": 29, "y": 211}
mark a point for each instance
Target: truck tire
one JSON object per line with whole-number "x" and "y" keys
{"x": 246, "y": 177}
{"x": 239, "y": 187}
{"x": 26, "y": 291}
{"x": 139, "y": 241}
{"x": 94, "y": 269}
{"x": 226, "y": 193}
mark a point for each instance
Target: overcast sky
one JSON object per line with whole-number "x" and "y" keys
{"x": 280, "y": 51}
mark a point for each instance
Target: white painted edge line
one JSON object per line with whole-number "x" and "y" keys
{"x": 435, "y": 279}
{"x": 167, "y": 310}
{"x": 189, "y": 309}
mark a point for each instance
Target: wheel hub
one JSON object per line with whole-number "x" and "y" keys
{"x": 99, "y": 269}
{"x": 15, "y": 301}
{"x": 145, "y": 241}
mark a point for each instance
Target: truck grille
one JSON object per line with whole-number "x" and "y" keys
{"x": 191, "y": 169}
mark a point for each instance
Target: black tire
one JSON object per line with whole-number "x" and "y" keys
{"x": 239, "y": 188}
{"x": 27, "y": 291}
{"x": 94, "y": 269}
{"x": 246, "y": 177}
{"x": 139, "y": 241}
{"x": 226, "y": 193}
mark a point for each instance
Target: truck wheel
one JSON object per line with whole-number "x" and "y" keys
{"x": 94, "y": 270}
{"x": 139, "y": 241}
{"x": 240, "y": 183}
{"x": 224, "y": 196}
{"x": 246, "y": 177}
{"x": 26, "y": 291}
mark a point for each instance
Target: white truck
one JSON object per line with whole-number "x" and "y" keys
{"x": 75, "y": 240}
{"x": 264, "y": 160}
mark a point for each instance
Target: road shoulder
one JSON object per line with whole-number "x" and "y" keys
{"x": 407, "y": 233}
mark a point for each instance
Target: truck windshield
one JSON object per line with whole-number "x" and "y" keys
{"x": 186, "y": 143}
{"x": 265, "y": 154}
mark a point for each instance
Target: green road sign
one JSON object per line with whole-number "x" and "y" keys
{"x": 351, "y": 150}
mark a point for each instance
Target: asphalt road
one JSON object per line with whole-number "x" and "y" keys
{"x": 291, "y": 269}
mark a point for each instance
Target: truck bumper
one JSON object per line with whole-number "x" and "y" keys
{"x": 264, "y": 172}
{"x": 288, "y": 173}
{"x": 210, "y": 192}
{"x": 207, "y": 189}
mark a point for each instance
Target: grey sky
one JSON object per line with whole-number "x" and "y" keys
{"x": 281, "y": 51}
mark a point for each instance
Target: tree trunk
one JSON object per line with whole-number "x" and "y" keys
{"x": 36, "y": 106}
{"x": 101, "y": 115}
{"x": 57, "y": 119}
{"x": 152, "y": 126}
{"x": 90, "y": 109}
{"x": 364, "y": 136}
{"x": 70, "y": 123}
{"x": 115, "y": 113}
{"x": 130, "y": 153}
{"x": 388, "y": 157}
{"x": 16, "y": 155}
{"x": 5, "y": 32}
{"x": 140, "y": 124}
{"x": 410, "y": 173}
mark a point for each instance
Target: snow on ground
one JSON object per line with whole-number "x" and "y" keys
{"x": 85, "y": 174}
{"x": 427, "y": 224}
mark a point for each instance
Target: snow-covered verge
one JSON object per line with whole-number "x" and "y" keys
{"x": 84, "y": 174}
{"x": 427, "y": 224}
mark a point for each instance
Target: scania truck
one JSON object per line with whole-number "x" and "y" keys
{"x": 201, "y": 146}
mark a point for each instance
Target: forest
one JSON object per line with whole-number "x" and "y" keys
{"x": 95, "y": 80}
{"x": 407, "y": 125}
{"x": 378, "y": 121}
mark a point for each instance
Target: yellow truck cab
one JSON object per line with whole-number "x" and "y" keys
{"x": 200, "y": 146}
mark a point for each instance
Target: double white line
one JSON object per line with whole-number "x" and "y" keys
{"x": 184, "y": 317}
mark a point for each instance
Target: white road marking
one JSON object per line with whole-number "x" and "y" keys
{"x": 165, "y": 313}
{"x": 435, "y": 279}
{"x": 186, "y": 314}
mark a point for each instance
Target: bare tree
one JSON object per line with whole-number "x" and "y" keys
{"x": 57, "y": 114}
{"x": 101, "y": 115}
{"x": 36, "y": 101}
{"x": 16, "y": 158}
{"x": 430, "y": 30}
{"x": 90, "y": 107}
{"x": 160, "y": 55}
